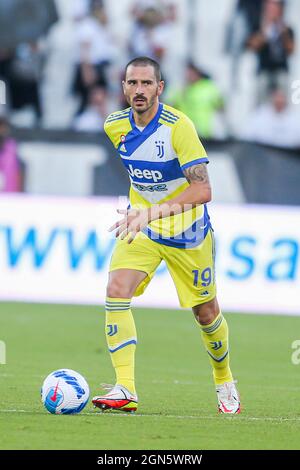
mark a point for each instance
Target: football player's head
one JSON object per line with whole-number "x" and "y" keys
{"x": 142, "y": 84}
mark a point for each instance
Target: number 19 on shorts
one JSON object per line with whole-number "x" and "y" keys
{"x": 203, "y": 277}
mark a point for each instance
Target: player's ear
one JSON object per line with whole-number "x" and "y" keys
{"x": 123, "y": 85}
{"x": 161, "y": 86}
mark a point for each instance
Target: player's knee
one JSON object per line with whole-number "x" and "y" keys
{"x": 118, "y": 289}
{"x": 206, "y": 313}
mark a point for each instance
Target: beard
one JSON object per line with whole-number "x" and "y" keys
{"x": 145, "y": 107}
{"x": 145, "y": 103}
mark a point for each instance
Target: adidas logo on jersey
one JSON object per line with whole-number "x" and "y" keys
{"x": 154, "y": 175}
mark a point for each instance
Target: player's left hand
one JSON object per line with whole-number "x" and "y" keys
{"x": 133, "y": 222}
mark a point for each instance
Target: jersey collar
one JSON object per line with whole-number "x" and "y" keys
{"x": 151, "y": 125}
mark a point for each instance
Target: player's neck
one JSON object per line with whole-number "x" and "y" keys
{"x": 142, "y": 120}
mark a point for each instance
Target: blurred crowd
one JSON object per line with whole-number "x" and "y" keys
{"x": 258, "y": 26}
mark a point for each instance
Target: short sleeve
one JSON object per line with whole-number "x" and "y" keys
{"x": 106, "y": 127}
{"x": 117, "y": 125}
{"x": 110, "y": 131}
{"x": 187, "y": 145}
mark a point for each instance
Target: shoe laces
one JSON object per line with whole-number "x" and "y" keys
{"x": 226, "y": 388}
{"x": 107, "y": 387}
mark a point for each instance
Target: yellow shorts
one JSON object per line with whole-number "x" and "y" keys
{"x": 192, "y": 269}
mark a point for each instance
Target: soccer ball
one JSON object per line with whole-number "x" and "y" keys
{"x": 65, "y": 391}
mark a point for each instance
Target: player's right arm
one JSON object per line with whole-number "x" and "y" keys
{"x": 116, "y": 125}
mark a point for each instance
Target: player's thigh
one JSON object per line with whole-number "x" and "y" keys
{"x": 193, "y": 272}
{"x": 122, "y": 283}
{"x": 133, "y": 264}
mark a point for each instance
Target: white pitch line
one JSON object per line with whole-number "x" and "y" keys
{"x": 218, "y": 417}
{"x": 36, "y": 376}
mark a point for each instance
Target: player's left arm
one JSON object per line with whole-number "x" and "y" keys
{"x": 198, "y": 178}
{"x": 187, "y": 145}
{"x": 198, "y": 192}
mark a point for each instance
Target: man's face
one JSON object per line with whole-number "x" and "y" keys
{"x": 141, "y": 88}
{"x": 98, "y": 98}
{"x": 279, "y": 101}
{"x": 273, "y": 10}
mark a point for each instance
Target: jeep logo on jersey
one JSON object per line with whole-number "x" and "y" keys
{"x": 154, "y": 175}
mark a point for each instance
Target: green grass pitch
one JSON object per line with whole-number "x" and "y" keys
{"x": 177, "y": 398}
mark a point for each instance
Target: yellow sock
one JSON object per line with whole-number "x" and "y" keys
{"x": 215, "y": 337}
{"x": 121, "y": 340}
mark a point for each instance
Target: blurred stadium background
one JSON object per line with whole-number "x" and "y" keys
{"x": 234, "y": 67}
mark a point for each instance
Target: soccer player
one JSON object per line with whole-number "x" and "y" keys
{"x": 167, "y": 220}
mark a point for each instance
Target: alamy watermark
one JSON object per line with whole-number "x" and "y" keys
{"x": 2, "y": 352}
{"x": 189, "y": 227}
{"x": 295, "y": 357}
{"x": 2, "y": 92}
{"x": 296, "y": 91}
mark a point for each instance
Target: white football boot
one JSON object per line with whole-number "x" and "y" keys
{"x": 117, "y": 398}
{"x": 228, "y": 398}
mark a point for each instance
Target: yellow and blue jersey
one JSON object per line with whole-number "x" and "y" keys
{"x": 155, "y": 159}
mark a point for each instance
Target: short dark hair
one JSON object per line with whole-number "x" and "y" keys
{"x": 144, "y": 61}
